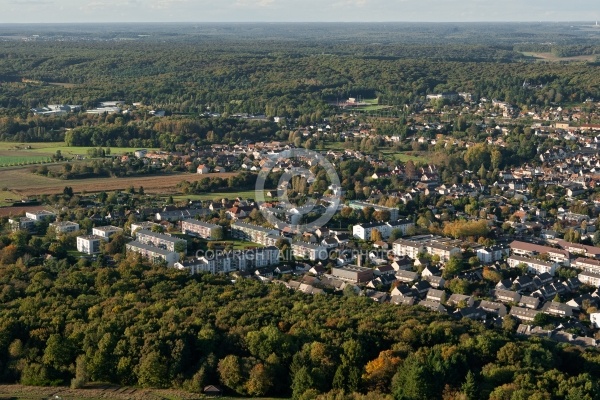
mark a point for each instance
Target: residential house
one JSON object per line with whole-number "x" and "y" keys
{"x": 403, "y": 301}
{"x": 473, "y": 313}
{"x": 558, "y": 309}
{"x": 403, "y": 291}
{"x": 492, "y": 307}
{"x": 460, "y": 299}
{"x": 406, "y": 276}
{"x": 402, "y": 263}
{"x": 435, "y": 281}
{"x": 436, "y": 295}
{"x": 524, "y": 314}
{"x": 429, "y": 271}
{"x": 529, "y": 302}
{"x": 421, "y": 288}
{"x": 433, "y": 306}
{"x": 507, "y": 296}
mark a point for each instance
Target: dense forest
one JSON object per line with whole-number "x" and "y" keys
{"x": 236, "y": 70}
{"x": 134, "y": 324}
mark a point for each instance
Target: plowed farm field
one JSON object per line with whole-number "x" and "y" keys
{"x": 22, "y": 182}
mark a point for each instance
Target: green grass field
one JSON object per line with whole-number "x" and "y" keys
{"x": 7, "y": 198}
{"x": 372, "y": 108}
{"x": 403, "y": 157}
{"x": 6, "y": 160}
{"x": 49, "y": 149}
{"x": 247, "y": 194}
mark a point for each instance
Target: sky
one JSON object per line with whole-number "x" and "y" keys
{"x": 69, "y": 11}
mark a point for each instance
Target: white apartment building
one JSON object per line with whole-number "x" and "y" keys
{"x": 531, "y": 250}
{"x": 42, "y": 215}
{"x": 65, "y": 227}
{"x": 252, "y": 233}
{"x": 222, "y": 263}
{"x": 590, "y": 278}
{"x": 435, "y": 246}
{"x": 106, "y": 232}
{"x": 159, "y": 240}
{"x": 364, "y": 231}
{"x": 311, "y": 251}
{"x": 489, "y": 255}
{"x": 147, "y": 225}
{"x": 200, "y": 229}
{"x": 152, "y": 253}
{"x": 534, "y": 266}
{"x": 587, "y": 265}
{"x": 89, "y": 244}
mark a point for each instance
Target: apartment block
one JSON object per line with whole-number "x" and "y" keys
{"x": 153, "y": 253}
{"x": 65, "y": 227}
{"x": 534, "y": 266}
{"x": 252, "y": 233}
{"x": 89, "y": 244}
{"x": 200, "y": 229}
{"x": 42, "y": 215}
{"x": 106, "y": 232}
{"x": 159, "y": 240}
{"x": 353, "y": 273}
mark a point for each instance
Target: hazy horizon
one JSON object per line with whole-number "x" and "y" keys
{"x": 290, "y": 11}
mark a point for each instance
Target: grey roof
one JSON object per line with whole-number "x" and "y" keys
{"x": 491, "y": 305}
{"x": 457, "y": 298}
{"x": 534, "y": 301}
{"x": 258, "y": 228}
{"x": 201, "y": 223}
{"x": 166, "y": 238}
{"x": 136, "y": 244}
{"x": 435, "y": 293}
{"x": 507, "y": 293}
{"x": 520, "y": 312}
{"x": 407, "y": 274}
